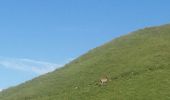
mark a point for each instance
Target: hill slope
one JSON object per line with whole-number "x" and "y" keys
{"x": 137, "y": 65}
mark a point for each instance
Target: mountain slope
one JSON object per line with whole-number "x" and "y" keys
{"x": 137, "y": 65}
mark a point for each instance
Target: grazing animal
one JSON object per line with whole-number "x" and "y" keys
{"x": 103, "y": 80}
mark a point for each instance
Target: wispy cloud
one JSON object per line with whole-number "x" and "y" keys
{"x": 28, "y": 65}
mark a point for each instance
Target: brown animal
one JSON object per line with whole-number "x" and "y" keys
{"x": 103, "y": 80}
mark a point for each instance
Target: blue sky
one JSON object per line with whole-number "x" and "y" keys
{"x": 37, "y": 36}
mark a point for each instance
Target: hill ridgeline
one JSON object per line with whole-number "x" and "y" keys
{"x": 137, "y": 67}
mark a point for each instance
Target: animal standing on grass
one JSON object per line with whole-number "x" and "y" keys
{"x": 103, "y": 80}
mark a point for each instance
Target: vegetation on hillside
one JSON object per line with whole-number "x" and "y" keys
{"x": 137, "y": 66}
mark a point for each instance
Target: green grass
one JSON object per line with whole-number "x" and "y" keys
{"x": 137, "y": 64}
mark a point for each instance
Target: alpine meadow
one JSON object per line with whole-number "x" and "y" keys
{"x": 137, "y": 67}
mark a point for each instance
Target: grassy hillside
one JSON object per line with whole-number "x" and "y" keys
{"x": 137, "y": 65}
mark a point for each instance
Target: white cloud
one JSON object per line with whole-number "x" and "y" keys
{"x": 1, "y": 89}
{"x": 71, "y": 59}
{"x": 28, "y": 65}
